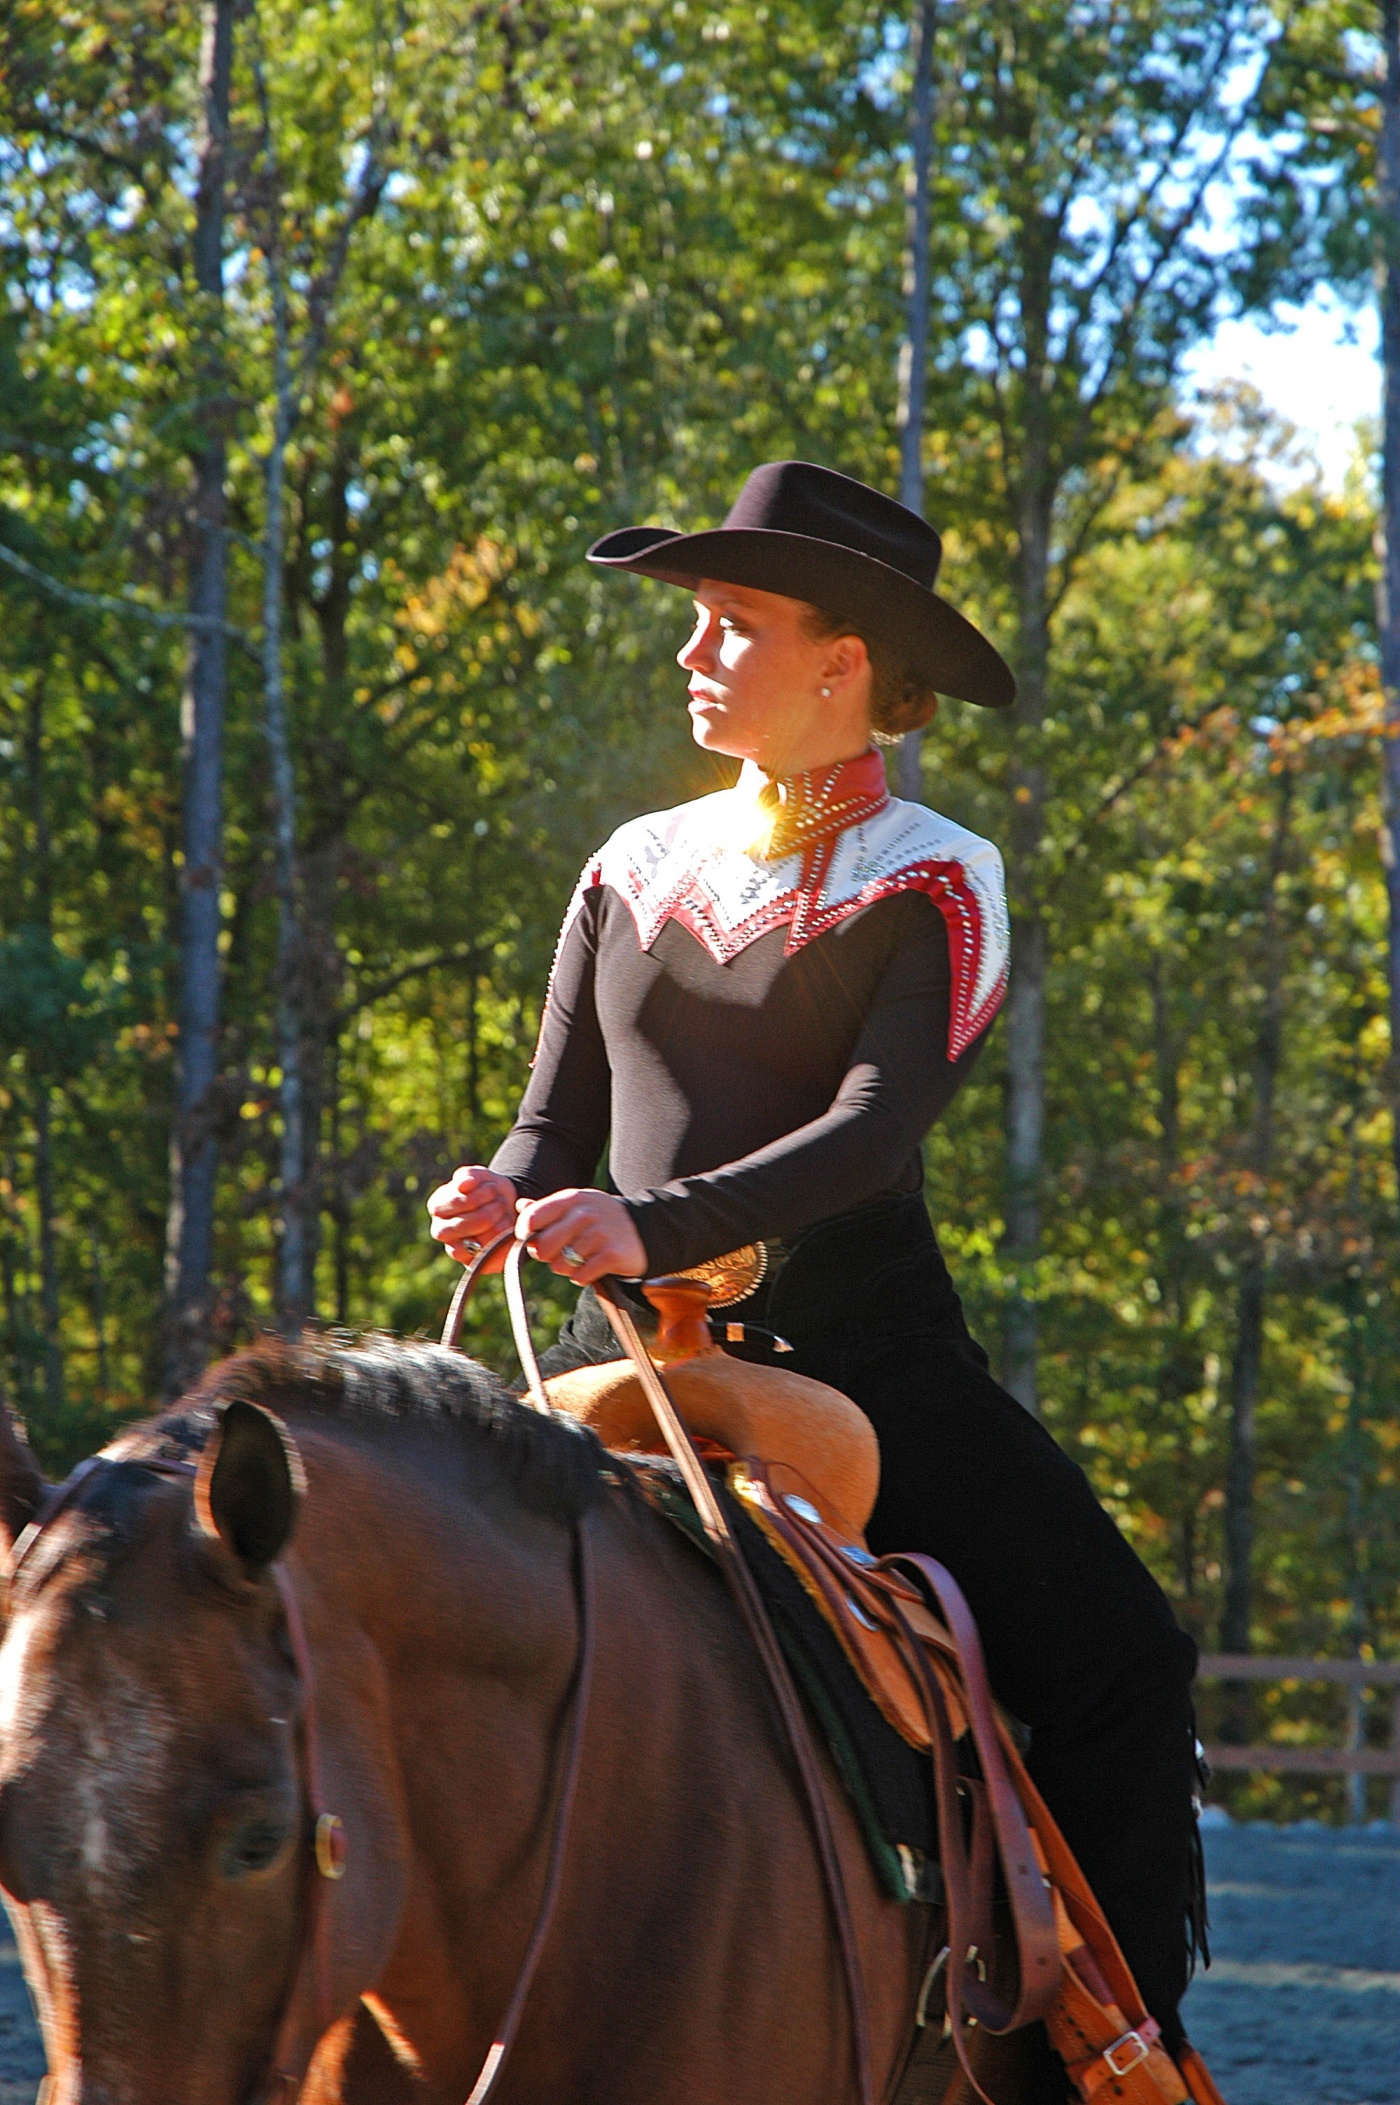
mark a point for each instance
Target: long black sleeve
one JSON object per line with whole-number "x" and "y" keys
{"x": 746, "y": 1099}
{"x": 561, "y": 1128}
{"x": 866, "y": 1143}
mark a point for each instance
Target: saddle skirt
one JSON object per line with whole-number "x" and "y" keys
{"x": 861, "y": 1604}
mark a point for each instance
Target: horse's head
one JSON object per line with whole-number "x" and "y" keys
{"x": 152, "y": 1820}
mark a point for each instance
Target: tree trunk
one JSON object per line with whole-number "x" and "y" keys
{"x": 1249, "y": 1321}
{"x": 1358, "y": 1561}
{"x": 1179, "y": 1368}
{"x": 193, "y": 1151}
{"x": 321, "y": 861}
{"x": 41, "y": 901}
{"x": 1388, "y": 592}
{"x": 293, "y": 1267}
{"x": 1025, "y": 1134}
{"x": 1026, "y": 1001}
{"x": 1239, "y": 1473}
{"x": 99, "y": 1316}
{"x": 296, "y": 966}
{"x": 50, "y": 1314}
{"x": 913, "y": 352}
{"x": 319, "y": 993}
{"x": 16, "y": 1322}
{"x": 339, "y": 1207}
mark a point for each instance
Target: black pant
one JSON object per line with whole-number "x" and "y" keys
{"x": 1081, "y": 1642}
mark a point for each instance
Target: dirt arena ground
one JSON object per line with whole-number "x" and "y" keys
{"x": 1302, "y": 2004}
{"x": 1301, "y": 2007}
{"x": 21, "y": 2056}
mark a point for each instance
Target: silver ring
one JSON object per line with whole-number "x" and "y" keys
{"x": 570, "y": 1255}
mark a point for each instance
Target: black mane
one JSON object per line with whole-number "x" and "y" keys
{"x": 551, "y": 1464}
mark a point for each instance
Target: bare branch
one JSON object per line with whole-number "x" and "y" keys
{"x": 108, "y": 603}
{"x": 1132, "y": 215}
{"x": 40, "y": 127}
{"x": 1167, "y": 247}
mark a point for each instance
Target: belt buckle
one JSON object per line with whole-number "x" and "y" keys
{"x": 1129, "y": 2039}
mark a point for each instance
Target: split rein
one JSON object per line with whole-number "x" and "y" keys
{"x": 751, "y": 1610}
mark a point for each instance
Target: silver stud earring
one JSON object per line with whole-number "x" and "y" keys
{"x": 826, "y": 694}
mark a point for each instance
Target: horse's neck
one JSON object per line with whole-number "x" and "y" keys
{"x": 446, "y": 1632}
{"x": 443, "y": 1622}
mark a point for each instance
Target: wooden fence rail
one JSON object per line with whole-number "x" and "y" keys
{"x": 1353, "y": 1760}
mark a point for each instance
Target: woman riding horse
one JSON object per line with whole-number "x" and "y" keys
{"x": 760, "y": 1003}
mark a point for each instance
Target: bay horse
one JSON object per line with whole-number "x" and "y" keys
{"x": 386, "y": 1525}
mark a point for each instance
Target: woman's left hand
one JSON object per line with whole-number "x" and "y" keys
{"x": 582, "y": 1235}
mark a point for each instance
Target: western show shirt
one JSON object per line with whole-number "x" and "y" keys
{"x": 761, "y": 1037}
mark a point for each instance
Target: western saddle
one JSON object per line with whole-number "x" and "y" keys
{"x": 803, "y": 1461}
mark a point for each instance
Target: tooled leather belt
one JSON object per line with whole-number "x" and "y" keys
{"x": 739, "y": 1274}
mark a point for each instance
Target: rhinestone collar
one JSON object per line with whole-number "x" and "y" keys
{"x": 796, "y": 811}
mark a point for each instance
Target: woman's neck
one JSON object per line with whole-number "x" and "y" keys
{"x": 753, "y": 774}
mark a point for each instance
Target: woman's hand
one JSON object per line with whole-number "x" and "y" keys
{"x": 582, "y": 1235}
{"x": 473, "y": 1207}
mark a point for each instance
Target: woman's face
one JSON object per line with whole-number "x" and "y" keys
{"x": 762, "y": 689}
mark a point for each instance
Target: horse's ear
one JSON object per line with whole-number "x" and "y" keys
{"x": 249, "y": 1484}
{"x": 22, "y": 1485}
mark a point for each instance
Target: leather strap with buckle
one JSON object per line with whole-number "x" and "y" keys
{"x": 1118, "y": 2059}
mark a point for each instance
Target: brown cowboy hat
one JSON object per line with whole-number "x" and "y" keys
{"x": 814, "y": 535}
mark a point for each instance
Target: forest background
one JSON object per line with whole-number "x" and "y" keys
{"x": 334, "y": 331}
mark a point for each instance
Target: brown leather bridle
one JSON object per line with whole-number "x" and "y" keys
{"x": 309, "y": 2010}
{"x": 327, "y": 1853}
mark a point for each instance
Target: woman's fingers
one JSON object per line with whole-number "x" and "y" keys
{"x": 547, "y": 1224}
{"x": 473, "y": 1225}
{"x": 536, "y": 1214}
{"x": 474, "y": 1206}
{"x": 547, "y": 1239}
{"x": 469, "y": 1187}
{"x": 582, "y": 1235}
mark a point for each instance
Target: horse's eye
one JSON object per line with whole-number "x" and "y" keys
{"x": 253, "y": 1847}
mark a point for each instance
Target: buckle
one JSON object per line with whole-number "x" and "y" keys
{"x": 1140, "y": 2051}
{"x": 332, "y": 1846}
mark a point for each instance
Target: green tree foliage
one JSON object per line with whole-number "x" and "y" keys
{"x": 619, "y": 255}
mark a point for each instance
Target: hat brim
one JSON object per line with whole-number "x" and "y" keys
{"x": 939, "y": 644}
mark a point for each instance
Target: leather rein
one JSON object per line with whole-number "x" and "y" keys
{"x": 747, "y": 1599}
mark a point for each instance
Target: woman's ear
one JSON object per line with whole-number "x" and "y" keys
{"x": 249, "y": 1485}
{"x": 846, "y": 660}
